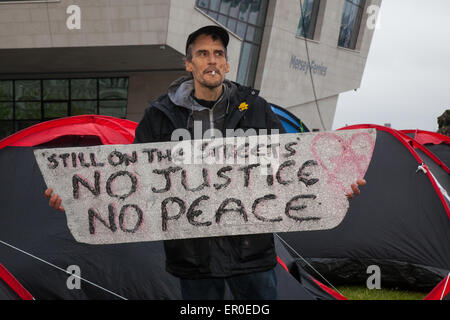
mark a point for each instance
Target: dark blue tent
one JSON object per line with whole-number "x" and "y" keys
{"x": 291, "y": 123}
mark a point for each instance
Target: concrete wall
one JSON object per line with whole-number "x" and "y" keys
{"x": 280, "y": 75}
{"x": 106, "y": 23}
{"x": 103, "y": 22}
{"x": 308, "y": 113}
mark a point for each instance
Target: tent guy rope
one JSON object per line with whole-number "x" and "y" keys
{"x": 61, "y": 269}
{"x": 312, "y": 268}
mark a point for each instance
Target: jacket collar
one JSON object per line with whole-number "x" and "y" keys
{"x": 178, "y": 116}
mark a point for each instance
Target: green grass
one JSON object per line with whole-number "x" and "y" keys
{"x": 362, "y": 293}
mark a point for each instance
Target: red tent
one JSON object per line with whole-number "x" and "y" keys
{"x": 436, "y": 143}
{"x": 427, "y": 137}
{"x": 441, "y": 291}
{"x": 400, "y": 222}
{"x": 74, "y": 131}
{"x": 418, "y": 142}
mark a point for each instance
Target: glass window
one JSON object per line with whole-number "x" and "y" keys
{"x": 83, "y": 107}
{"x": 83, "y": 88}
{"x": 114, "y": 88}
{"x": 55, "y": 110}
{"x": 241, "y": 29}
{"x": 351, "y": 23}
{"x": 247, "y": 65}
{"x": 231, "y": 24}
{"x": 234, "y": 9}
{"x": 245, "y": 18}
{"x": 254, "y": 34}
{"x": 113, "y": 108}
{"x": 56, "y": 89}
{"x": 222, "y": 19}
{"x": 6, "y": 128}
{"x": 308, "y": 19}
{"x": 214, "y": 5}
{"x": 27, "y": 102}
{"x": 28, "y": 110}
{"x": 225, "y": 7}
{"x": 6, "y": 90}
{"x": 6, "y": 111}
{"x": 262, "y": 10}
{"x": 28, "y": 90}
{"x": 244, "y": 11}
{"x": 254, "y": 12}
{"x": 213, "y": 15}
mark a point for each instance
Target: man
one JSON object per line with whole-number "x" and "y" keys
{"x": 204, "y": 265}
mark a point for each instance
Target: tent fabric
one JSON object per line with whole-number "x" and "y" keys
{"x": 109, "y": 130}
{"x": 426, "y": 159}
{"x": 131, "y": 271}
{"x": 424, "y": 148}
{"x": 10, "y": 288}
{"x": 441, "y": 291}
{"x": 296, "y": 270}
{"x": 427, "y": 137}
{"x": 400, "y": 222}
{"x": 290, "y": 122}
{"x": 434, "y": 142}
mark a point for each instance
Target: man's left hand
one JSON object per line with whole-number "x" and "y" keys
{"x": 355, "y": 188}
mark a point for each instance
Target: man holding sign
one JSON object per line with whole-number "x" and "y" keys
{"x": 208, "y": 101}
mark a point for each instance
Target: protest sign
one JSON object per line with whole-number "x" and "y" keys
{"x": 207, "y": 188}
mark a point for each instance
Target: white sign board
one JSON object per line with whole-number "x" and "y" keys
{"x": 207, "y": 188}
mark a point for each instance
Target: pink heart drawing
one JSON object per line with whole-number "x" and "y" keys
{"x": 343, "y": 160}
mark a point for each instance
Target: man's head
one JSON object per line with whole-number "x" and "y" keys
{"x": 206, "y": 56}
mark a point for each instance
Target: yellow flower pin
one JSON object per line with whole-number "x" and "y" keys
{"x": 243, "y": 106}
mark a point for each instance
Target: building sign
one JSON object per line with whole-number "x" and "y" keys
{"x": 299, "y": 64}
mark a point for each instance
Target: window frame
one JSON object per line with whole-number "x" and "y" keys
{"x": 356, "y": 32}
{"x": 313, "y": 24}
{"x": 17, "y": 123}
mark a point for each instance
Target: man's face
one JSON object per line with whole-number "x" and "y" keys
{"x": 209, "y": 64}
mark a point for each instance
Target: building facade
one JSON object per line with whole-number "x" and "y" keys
{"x": 112, "y": 57}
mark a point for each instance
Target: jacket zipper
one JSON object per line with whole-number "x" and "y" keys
{"x": 211, "y": 115}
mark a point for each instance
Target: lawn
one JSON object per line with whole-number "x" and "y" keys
{"x": 362, "y": 293}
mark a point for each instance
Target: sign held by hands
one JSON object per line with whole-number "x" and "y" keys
{"x": 206, "y": 188}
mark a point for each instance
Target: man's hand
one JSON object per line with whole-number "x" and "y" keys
{"x": 55, "y": 200}
{"x": 355, "y": 189}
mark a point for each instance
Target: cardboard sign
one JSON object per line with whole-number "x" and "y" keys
{"x": 207, "y": 188}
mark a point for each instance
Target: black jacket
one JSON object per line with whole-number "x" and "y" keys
{"x": 218, "y": 256}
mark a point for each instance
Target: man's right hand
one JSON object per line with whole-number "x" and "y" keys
{"x": 55, "y": 200}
